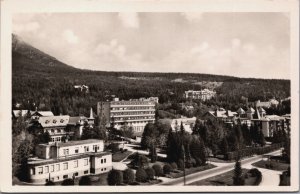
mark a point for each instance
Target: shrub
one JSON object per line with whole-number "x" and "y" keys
{"x": 167, "y": 169}
{"x": 193, "y": 162}
{"x": 115, "y": 177}
{"x": 67, "y": 182}
{"x": 49, "y": 183}
{"x": 128, "y": 176}
{"x": 85, "y": 180}
{"x": 256, "y": 173}
{"x": 141, "y": 175}
{"x": 198, "y": 161}
{"x": 140, "y": 161}
{"x": 157, "y": 169}
{"x": 180, "y": 164}
{"x": 150, "y": 173}
{"x": 174, "y": 165}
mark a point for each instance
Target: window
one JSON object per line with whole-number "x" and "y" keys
{"x": 46, "y": 169}
{"x": 58, "y": 130}
{"x": 76, "y": 150}
{"x": 52, "y": 139}
{"x": 40, "y": 170}
{"x": 75, "y": 163}
{"x": 104, "y": 160}
{"x": 86, "y": 172}
{"x": 65, "y": 176}
{"x": 54, "y": 121}
{"x": 61, "y": 120}
{"x": 76, "y": 174}
{"x": 57, "y": 167}
{"x": 52, "y": 168}
{"x": 66, "y": 152}
{"x": 65, "y": 166}
{"x": 86, "y": 148}
{"x": 32, "y": 171}
{"x": 52, "y": 130}
{"x": 86, "y": 162}
{"x": 101, "y": 161}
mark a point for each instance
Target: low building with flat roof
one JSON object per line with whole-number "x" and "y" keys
{"x": 59, "y": 161}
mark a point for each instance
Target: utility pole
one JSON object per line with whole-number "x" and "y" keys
{"x": 183, "y": 150}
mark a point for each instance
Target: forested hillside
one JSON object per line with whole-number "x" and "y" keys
{"x": 40, "y": 80}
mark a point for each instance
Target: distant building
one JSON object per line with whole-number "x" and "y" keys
{"x": 271, "y": 103}
{"x": 83, "y": 88}
{"x": 59, "y": 161}
{"x": 187, "y": 123}
{"x": 222, "y": 115}
{"x": 18, "y": 113}
{"x": 202, "y": 94}
{"x": 135, "y": 113}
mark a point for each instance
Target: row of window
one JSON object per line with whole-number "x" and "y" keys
{"x": 67, "y": 176}
{"x": 133, "y": 113}
{"x": 132, "y": 108}
{"x": 55, "y": 139}
{"x": 54, "y": 121}
{"x": 134, "y": 118}
{"x": 86, "y": 149}
{"x": 57, "y": 167}
{"x": 133, "y": 103}
{"x": 56, "y": 131}
{"x": 103, "y": 161}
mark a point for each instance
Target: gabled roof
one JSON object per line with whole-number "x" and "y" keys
{"x": 240, "y": 111}
{"x": 76, "y": 120}
{"x": 260, "y": 109}
{"x": 54, "y": 121}
{"x": 250, "y": 110}
{"x": 42, "y": 113}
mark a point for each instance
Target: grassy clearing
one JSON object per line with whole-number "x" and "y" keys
{"x": 224, "y": 179}
{"x": 275, "y": 165}
{"x": 191, "y": 170}
{"x": 119, "y": 156}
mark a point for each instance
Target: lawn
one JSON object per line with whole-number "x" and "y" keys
{"x": 276, "y": 164}
{"x": 119, "y": 156}
{"x": 224, "y": 179}
{"x": 191, "y": 170}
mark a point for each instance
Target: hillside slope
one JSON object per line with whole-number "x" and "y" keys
{"x": 42, "y": 81}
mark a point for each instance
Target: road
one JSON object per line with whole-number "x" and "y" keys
{"x": 220, "y": 169}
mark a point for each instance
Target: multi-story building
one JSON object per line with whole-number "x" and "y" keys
{"x": 204, "y": 95}
{"x": 54, "y": 125}
{"x": 133, "y": 113}
{"x": 225, "y": 116}
{"x": 59, "y": 161}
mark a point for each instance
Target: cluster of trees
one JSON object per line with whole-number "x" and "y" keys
{"x": 39, "y": 80}
{"x": 185, "y": 149}
{"x": 154, "y": 135}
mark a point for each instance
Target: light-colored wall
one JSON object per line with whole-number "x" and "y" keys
{"x": 81, "y": 148}
{"x": 57, "y": 174}
{"x": 265, "y": 128}
{"x": 45, "y": 152}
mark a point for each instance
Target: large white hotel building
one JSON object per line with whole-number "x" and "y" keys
{"x": 135, "y": 113}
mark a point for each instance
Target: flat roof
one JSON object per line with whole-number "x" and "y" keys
{"x": 39, "y": 162}
{"x": 72, "y": 143}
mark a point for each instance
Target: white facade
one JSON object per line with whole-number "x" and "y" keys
{"x": 202, "y": 94}
{"x": 67, "y": 160}
{"x": 133, "y": 113}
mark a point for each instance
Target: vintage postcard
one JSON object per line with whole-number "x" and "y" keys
{"x": 149, "y": 96}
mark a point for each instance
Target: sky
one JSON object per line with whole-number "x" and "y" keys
{"x": 241, "y": 44}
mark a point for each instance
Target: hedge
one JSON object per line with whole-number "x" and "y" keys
{"x": 251, "y": 151}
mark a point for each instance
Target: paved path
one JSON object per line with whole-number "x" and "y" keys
{"x": 222, "y": 168}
